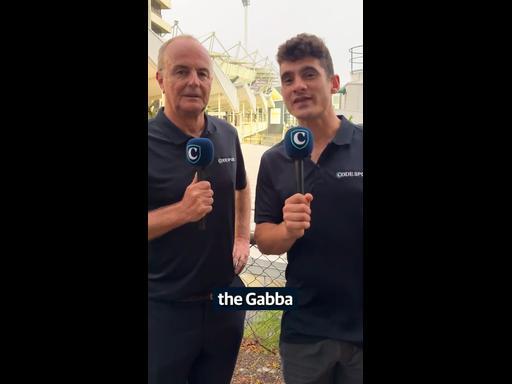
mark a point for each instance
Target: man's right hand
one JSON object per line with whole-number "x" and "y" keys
{"x": 297, "y": 214}
{"x": 197, "y": 200}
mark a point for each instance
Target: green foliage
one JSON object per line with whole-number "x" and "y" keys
{"x": 265, "y": 327}
{"x": 153, "y": 108}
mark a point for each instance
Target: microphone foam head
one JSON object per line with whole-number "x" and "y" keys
{"x": 298, "y": 142}
{"x": 199, "y": 152}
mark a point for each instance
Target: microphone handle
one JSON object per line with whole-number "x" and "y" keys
{"x": 200, "y": 177}
{"x": 299, "y": 175}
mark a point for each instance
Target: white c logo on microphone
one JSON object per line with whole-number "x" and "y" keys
{"x": 194, "y": 153}
{"x": 300, "y": 139}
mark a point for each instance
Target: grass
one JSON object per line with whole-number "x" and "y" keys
{"x": 265, "y": 327}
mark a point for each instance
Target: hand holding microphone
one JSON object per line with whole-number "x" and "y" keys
{"x": 197, "y": 200}
{"x": 297, "y": 214}
{"x": 199, "y": 195}
{"x": 298, "y": 143}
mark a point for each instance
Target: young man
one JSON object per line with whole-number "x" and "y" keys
{"x": 321, "y": 230}
{"x": 189, "y": 342}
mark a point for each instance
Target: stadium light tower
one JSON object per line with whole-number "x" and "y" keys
{"x": 246, "y": 7}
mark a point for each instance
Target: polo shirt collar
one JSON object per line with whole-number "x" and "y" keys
{"x": 176, "y": 135}
{"x": 345, "y": 132}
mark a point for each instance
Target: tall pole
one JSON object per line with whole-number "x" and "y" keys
{"x": 246, "y": 11}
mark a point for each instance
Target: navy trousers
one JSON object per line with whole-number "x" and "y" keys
{"x": 191, "y": 343}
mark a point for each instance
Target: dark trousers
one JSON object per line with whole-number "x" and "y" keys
{"x": 192, "y": 343}
{"x": 323, "y": 362}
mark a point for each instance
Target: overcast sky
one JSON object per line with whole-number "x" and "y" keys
{"x": 271, "y": 22}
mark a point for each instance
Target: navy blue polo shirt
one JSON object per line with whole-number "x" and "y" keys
{"x": 326, "y": 264}
{"x": 186, "y": 262}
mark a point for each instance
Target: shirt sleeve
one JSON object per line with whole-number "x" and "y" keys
{"x": 241, "y": 177}
{"x": 268, "y": 205}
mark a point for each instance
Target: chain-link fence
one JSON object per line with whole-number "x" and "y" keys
{"x": 264, "y": 271}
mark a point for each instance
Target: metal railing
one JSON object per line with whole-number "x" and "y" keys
{"x": 356, "y": 58}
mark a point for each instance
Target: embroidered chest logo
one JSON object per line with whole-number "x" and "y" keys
{"x": 222, "y": 160}
{"x": 342, "y": 174}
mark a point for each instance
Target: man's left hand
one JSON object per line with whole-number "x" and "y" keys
{"x": 240, "y": 254}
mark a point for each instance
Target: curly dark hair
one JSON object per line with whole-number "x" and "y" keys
{"x": 305, "y": 45}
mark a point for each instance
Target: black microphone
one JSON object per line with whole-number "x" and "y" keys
{"x": 298, "y": 143}
{"x": 200, "y": 155}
